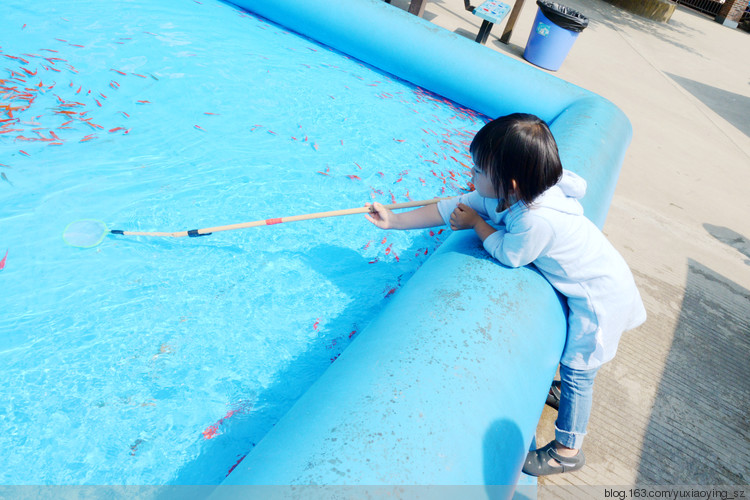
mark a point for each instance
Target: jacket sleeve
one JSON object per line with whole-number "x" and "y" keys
{"x": 521, "y": 242}
{"x": 472, "y": 199}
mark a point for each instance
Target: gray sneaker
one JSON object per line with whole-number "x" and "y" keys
{"x": 537, "y": 461}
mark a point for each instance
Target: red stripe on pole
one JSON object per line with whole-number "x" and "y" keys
{"x": 273, "y": 221}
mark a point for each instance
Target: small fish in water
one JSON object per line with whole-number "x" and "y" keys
{"x": 134, "y": 446}
{"x": 5, "y": 178}
{"x": 213, "y": 430}
{"x": 2, "y": 262}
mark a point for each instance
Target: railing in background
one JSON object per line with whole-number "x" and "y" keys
{"x": 710, "y": 7}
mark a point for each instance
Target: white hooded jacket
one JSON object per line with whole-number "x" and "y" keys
{"x": 574, "y": 256}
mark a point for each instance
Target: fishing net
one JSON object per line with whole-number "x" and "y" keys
{"x": 85, "y": 233}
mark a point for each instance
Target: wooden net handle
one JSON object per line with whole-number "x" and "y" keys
{"x": 268, "y": 222}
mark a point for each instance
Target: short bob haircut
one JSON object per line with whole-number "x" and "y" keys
{"x": 517, "y": 147}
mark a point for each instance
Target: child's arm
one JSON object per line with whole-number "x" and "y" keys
{"x": 384, "y": 218}
{"x": 529, "y": 238}
{"x": 465, "y": 217}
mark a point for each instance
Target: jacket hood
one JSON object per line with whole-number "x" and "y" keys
{"x": 564, "y": 195}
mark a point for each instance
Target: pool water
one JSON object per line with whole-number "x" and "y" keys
{"x": 158, "y": 361}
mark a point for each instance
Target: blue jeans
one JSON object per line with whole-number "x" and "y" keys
{"x": 576, "y": 394}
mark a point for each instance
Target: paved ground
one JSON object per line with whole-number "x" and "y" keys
{"x": 674, "y": 406}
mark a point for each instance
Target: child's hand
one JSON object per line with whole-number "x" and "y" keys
{"x": 464, "y": 217}
{"x": 381, "y": 216}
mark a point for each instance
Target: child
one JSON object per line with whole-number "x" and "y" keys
{"x": 525, "y": 210}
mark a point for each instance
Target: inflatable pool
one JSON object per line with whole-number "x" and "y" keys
{"x": 317, "y": 353}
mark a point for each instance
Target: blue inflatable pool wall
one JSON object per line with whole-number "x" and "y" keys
{"x": 447, "y": 384}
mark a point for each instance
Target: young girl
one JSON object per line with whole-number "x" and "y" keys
{"x": 525, "y": 210}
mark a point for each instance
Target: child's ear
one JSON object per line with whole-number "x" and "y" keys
{"x": 514, "y": 185}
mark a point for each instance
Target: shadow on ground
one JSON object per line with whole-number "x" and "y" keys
{"x": 699, "y": 429}
{"x": 734, "y": 108}
{"x": 615, "y": 18}
{"x": 731, "y": 238}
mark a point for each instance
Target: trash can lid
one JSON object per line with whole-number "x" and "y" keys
{"x": 563, "y": 16}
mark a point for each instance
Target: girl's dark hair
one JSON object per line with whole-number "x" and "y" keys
{"x": 517, "y": 147}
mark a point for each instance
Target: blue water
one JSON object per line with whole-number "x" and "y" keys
{"x": 152, "y": 361}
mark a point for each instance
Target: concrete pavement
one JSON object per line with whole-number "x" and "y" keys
{"x": 674, "y": 406}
